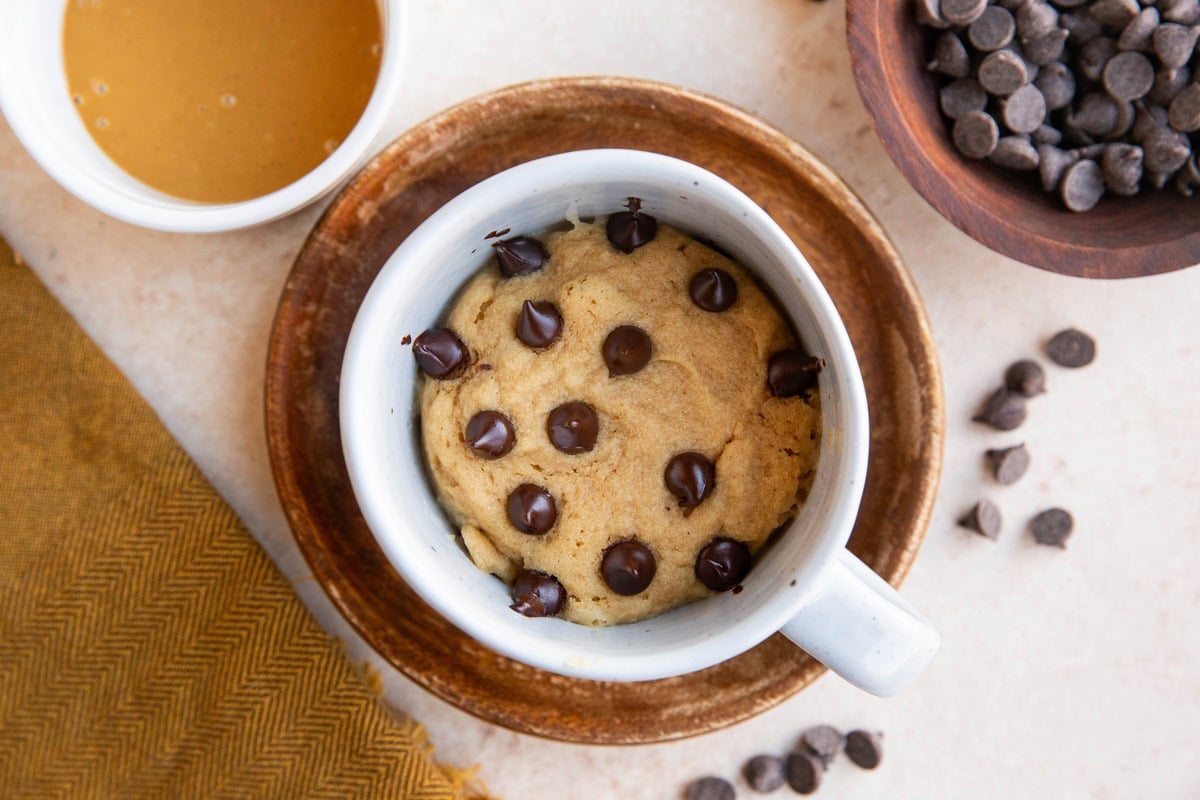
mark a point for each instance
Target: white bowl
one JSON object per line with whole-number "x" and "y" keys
{"x": 36, "y": 101}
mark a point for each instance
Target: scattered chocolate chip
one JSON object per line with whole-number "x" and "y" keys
{"x": 1082, "y": 185}
{"x": 573, "y": 427}
{"x": 536, "y": 594}
{"x": 520, "y": 255}
{"x": 629, "y": 230}
{"x": 690, "y": 477}
{"x": 628, "y": 567}
{"x": 440, "y": 353}
{"x": 823, "y": 741}
{"x": 950, "y": 56}
{"x": 1025, "y": 377}
{"x": 710, "y": 788}
{"x": 1024, "y": 110}
{"x": 406, "y": 340}
{"x": 713, "y": 290}
{"x": 803, "y": 771}
{"x": 1003, "y": 72}
{"x": 994, "y": 29}
{"x": 792, "y": 373}
{"x": 722, "y": 564}
{"x": 975, "y": 134}
{"x": 764, "y": 773}
{"x": 1052, "y": 527}
{"x": 1009, "y": 463}
{"x": 1004, "y": 410}
{"x": 962, "y": 96}
{"x": 531, "y": 509}
{"x": 984, "y": 518}
{"x": 626, "y": 350}
{"x": 490, "y": 434}
{"x": 539, "y": 324}
{"x": 864, "y": 748}
{"x": 1071, "y": 348}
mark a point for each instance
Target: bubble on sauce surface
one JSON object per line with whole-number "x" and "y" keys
{"x": 100, "y": 87}
{"x": 329, "y": 145}
{"x": 228, "y": 100}
{"x": 376, "y": 49}
{"x": 101, "y": 122}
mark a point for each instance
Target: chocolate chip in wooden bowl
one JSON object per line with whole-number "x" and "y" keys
{"x": 1008, "y": 463}
{"x": 1168, "y": 83}
{"x": 1185, "y": 12}
{"x": 976, "y": 134}
{"x": 764, "y": 773}
{"x": 520, "y": 255}
{"x": 793, "y": 373}
{"x": 1174, "y": 44}
{"x": 628, "y": 567}
{"x": 1184, "y": 112}
{"x": 962, "y": 96}
{"x": 1015, "y": 153}
{"x": 713, "y": 290}
{"x": 1165, "y": 152}
{"x": 823, "y": 741}
{"x": 1003, "y": 72}
{"x": 531, "y": 509}
{"x": 1082, "y": 28}
{"x": 629, "y": 230}
{"x": 1004, "y": 410}
{"x": 994, "y": 29}
{"x": 440, "y": 353}
{"x": 710, "y": 788}
{"x": 489, "y": 434}
{"x": 1123, "y": 168}
{"x": 626, "y": 350}
{"x": 1128, "y": 76}
{"x": 537, "y": 594}
{"x": 1091, "y": 58}
{"x": 539, "y": 324}
{"x": 1096, "y": 114}
{"x": 1114, "y": 14}
{"x": 1056, "y": 82}
{"x": 984, "y": 518}
{"x": 1024, "y": 110}
{"x": 1138, "y": 33}
{"x": 1045, "y": 135}
{"x": 1035, "y": 19}
{"x": 1052, "y": 163}
{"x": 865, "y": 748}
{"x": 690, "y": 477}
{"x": 929, "y": 14}
{"x": 573, "y": 427}
{"x": 1071, "y": 348}
{"x": 722, "y": 564}
{"x": 1052, "y": 527}
{"x": 1026, "y": 378}
{"x": 1082, "y": 185}
{"x": 950, "y": 56}
{"x": 962, "y": 12}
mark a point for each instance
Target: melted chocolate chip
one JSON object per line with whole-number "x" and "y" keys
{"x": 536, "y": 594}
{"x": 792, "y": 373}
{"x": 490, "y": 434}
{"x": 626, "y": 350}
{"x": 573, "y": 427}
{"x": 713, "y": 290}
{"x": 629, "y": 230}
{"x": 520, "y": 255}
{"x": 690, "y": 477}
{"x": 440, "y": 353}
{"x": 628, "y": 567}
{"x": 531, "y": 509}
{"x": 722, "y": 563}
{"x": 539, "y": 324}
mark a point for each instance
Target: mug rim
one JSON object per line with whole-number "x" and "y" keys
{"x": 525, "y": 643}
{"x": 159, "y": 211}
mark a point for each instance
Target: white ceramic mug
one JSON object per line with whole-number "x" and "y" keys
{"x": 806, "y": 585}
{"x": 37, "y": 104}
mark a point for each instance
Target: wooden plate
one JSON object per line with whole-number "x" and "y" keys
{"x": 432, "y": 163}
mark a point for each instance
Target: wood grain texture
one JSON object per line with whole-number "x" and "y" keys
{"x": 432, "y": 163}
{"x": 1123, "y": 237}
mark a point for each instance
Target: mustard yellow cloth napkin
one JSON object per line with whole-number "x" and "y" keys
{"x": 148, "y": 647}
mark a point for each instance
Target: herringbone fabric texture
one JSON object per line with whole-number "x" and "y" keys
{"x": 148, "y": 647}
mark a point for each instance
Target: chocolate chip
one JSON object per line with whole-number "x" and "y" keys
{"x": 1082, "y": 185}
{"x": 984, "y": 518}
{"x": 539, "y": 324}
{"x": 1046, "y": 49}
{"x": 440, "y": 353}
{"x": 1009, "y": 463}
{"x": 573, "y": 427}
{"x": 536, "y": 594}
{"x": 1174, "y": 44}
{"x": 1082, "y": 27}
{"x": 531, "y": 509}
{"x": 710, "y": 788}
{"x": 490, "y": 434}
{"x": 1036, "y": 19}
{"x": 628, "y": 567}
{"x": 722, "y": 564}
{"x": 1025, "y": 377}
{"x": 929, "y": 14}
{"x": 1114, "y": 14}
{"x": 961, "y": 96}
{"x": 1185, "y": 12}
{"x": 1094, "y": 55}
{"x": 1122, "y": 165}
{"x": 1044, "y": 135}
{"x": 1184, "y": 112}
{"x": 993, "y": 30}
{"x": 1071, "y": 348}
{"x": 1052, "y": 527}
{"x": 1052, "y": 163}
{"x": 975, "y": 134}
{"x": 1003, "y": 72}
{"x": 1016, "y": 153}
{"x": 792, "y": 373}
{"x": 713, "y": 290}
{"x": 1168, "y": 83}
{"x": 962, "y": 12}
{"x": 1128, "y": 76}
{"x": 520, "y": 255}
{"x": 1024, "y": 110}
{"x": 1136, "y": 35}
{"x": 823, "y": 741}
{"x": 1096, "y": 114}
{"x": 1004, "y": 410}
{"x": 690, "y": 477}
{"x": 803, "y": 771}
{"x": 950, "y": 56}
{"x": 1166, "y": 152}
{"x": 764, "y": 773}
{"x": 864, "y": 748}
{"x": 629, "y": 230}
{"x": 626, "y": 350}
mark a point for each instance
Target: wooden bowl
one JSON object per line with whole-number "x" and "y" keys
{"x": 1123, "y": 237}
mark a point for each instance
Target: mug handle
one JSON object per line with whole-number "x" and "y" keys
{"x": 862, "y": 629}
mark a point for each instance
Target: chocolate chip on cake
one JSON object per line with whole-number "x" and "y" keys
{"x": 803, "y": 771}
{"x": 626, "y": 350}
{"x": 713, "y": 290}
{"x": 823, "y": 741}
{"x": 539, "y": 324}
{"x": 722, "y": 564}
{"x": 440, "y": 353}
{"x": 536, "y": 594}
{"x": 1071, "y": 348}
{"x": 520, "y": 255}
{"x": 690, "y": 477}
{"x": 1004, "y": 410}
{"x": 573, "y": 427}
{"x": 710, "y": 788}
{"x": 865, "y": 748}
{"x": 1052, "y": 527}
{"x": 1008, "y": 463}
{"x": 629, "y": 230}
{"x": 984, "y": 518}
{"x": 531, "y": 509}
{"x": 793, "y": 373}
{"x": 764, "y": 773}
{"x": 628, "y": 567}
{"x": 490, "y": 434}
